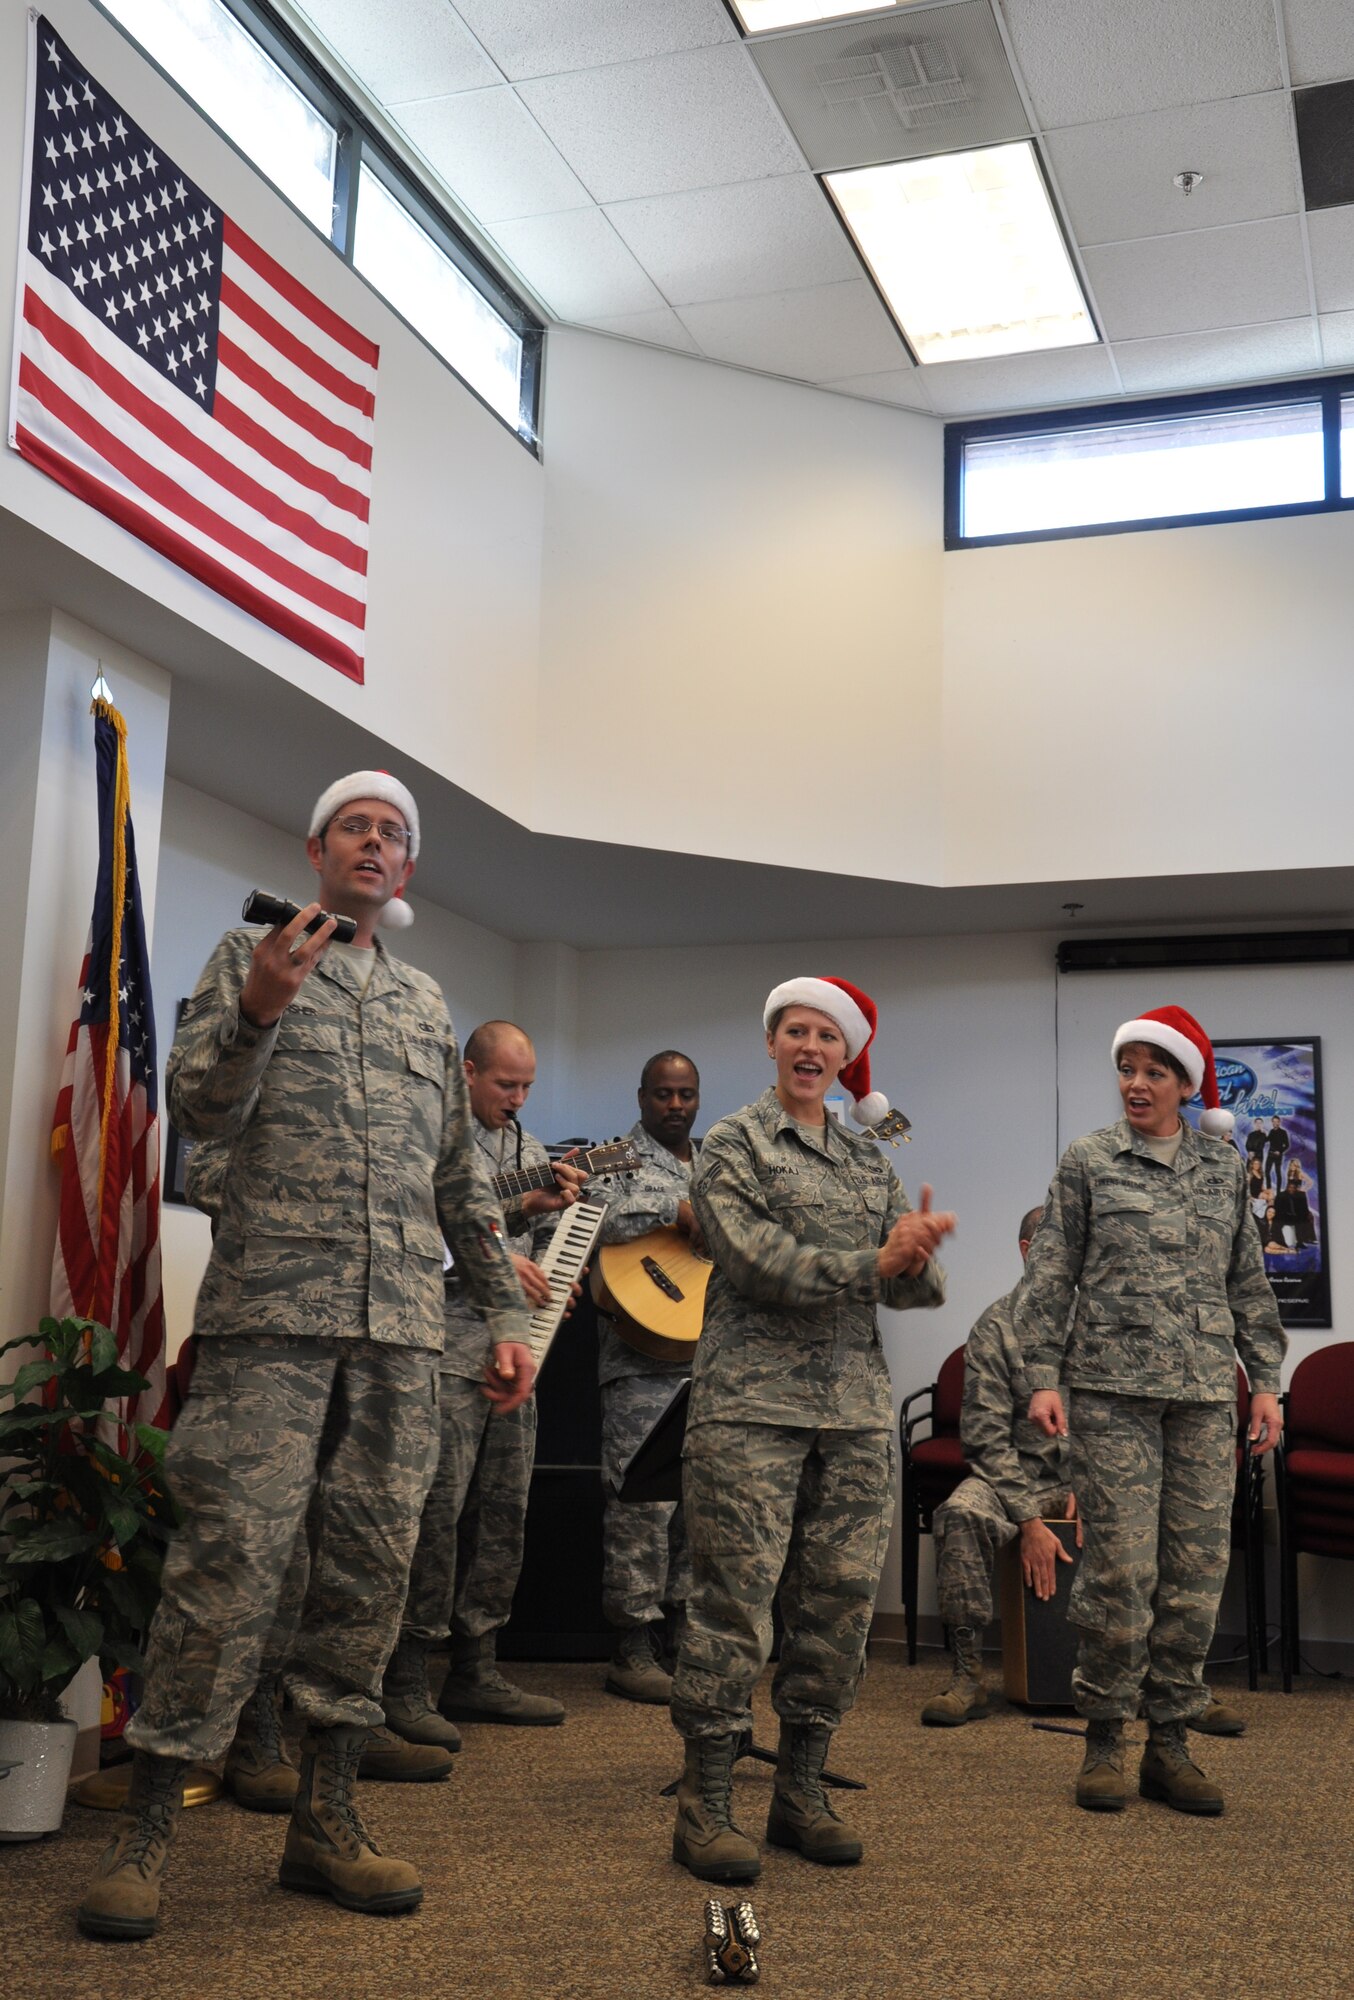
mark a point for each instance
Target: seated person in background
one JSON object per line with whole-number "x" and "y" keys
{"x": 1020, "y": 1476}
{"x": 1020, "y": 1480}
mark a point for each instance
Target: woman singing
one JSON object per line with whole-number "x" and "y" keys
{"x": 789, "y": 1445}
{"x": 1144, "y": 1281}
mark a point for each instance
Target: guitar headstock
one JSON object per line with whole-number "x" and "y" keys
{"x": 620, "y": 1156}
{"x": 892, "y": 1127}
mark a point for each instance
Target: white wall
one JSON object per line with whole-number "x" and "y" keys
{"x": 741, "y": 613}
{"x": 1149, "y": 704}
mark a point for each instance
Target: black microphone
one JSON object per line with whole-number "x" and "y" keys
{"x": 262, "y": 908}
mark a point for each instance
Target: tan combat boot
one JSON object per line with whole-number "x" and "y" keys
{"x": 404, "y": 1697}
{"x": 329, "y": 1852}
{"x": 1169, "y": 1773}
{"x": 965, "y": 1699}
{"x": 258, "y": 1772}
{"x": 388, "y": 1760}
{"x": 705, "y": 1839}
{"x": 800, "y": 1815}
{"x": 1100, "y": 1782}
{"x": 636, "y": 1673}
{"x": 475, "y": 1691}
{"x": 123, "y": 1899}
{"x": 1218, "y": 1720}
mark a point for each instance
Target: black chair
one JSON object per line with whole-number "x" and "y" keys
{"x": 1248, "y": 1535}
{"x": 933, "y": 1466}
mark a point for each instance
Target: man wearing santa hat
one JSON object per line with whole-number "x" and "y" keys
{"x": 334, "y": 1076}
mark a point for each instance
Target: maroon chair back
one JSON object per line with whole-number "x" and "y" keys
{"x": 938, "y": 1462}
{"x": 1321, "y": 1400}
{"x": 1319, "y": 1452}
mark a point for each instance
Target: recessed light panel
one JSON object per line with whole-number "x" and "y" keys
{"x": 759, "y": 16}
{"x": 967, "y": 250}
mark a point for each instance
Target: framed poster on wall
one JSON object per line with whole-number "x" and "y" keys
{"x": 1273, "y": 1089}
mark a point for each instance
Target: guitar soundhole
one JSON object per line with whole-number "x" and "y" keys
{"x": 662, "y": 1280}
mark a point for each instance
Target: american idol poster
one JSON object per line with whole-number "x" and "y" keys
{"x": 1273, "y": 1090}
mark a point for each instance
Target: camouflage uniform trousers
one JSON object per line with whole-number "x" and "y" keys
{"x": 1154, "y": 1481}
{"x": 803, "y": 1511}
{"x": 644, "y": 1555}
{"x": 969, "y": 1528}
{"x": 469, "y": 1552}
{"x": 243, "y": 1465}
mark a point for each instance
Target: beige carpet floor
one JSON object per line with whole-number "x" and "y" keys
{"x": 546, "y": 1864}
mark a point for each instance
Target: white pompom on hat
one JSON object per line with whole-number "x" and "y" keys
{"x": 857, "y": 1016}
{"x": 1179, "y": 1034}
{"x": 367, "y": 785}
{"x": 397, "y": 915}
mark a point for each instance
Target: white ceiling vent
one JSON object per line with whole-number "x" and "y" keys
{"x": 864, "y": 91}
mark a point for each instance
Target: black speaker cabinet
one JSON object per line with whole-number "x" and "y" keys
{"x": 1038, "y": 1646}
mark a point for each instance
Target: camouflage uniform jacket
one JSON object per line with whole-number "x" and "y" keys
{"x": 467, "y": 1347}
{"x": 1004, "y": 1448}
{"x": 646, "y": 1199}
{"x": 793, "y": 1217}
{"x": 349, "y": 1133}
{"x": 1167, "y": 1272}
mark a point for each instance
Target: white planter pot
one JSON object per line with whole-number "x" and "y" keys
{"x": 33, "y": 1796}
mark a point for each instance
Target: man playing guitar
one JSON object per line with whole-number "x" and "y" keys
{"x": 644, "y": 1545}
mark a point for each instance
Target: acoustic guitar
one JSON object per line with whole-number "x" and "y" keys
{"x": 654, "y": 1286}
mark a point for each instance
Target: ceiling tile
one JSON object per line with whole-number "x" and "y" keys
{"x": 659, "y": 329}
{"x": 1337, "y": 339}
{"x": 1084, "y": 61}
{"x": 1116, "y": 178}
{"x": 577, "y": 265}
{"x": 1250, "y": 272}
{"x": 1330, "y": 231}
{"x": 820, "y": 335}
{"x": 545, "y": 37}
{"x": 658, "y": 127}
{"x": 726, "y": 242}
{"x": 432, "y": 54}
{"x": 492, "y": 155}
{"x": 1320, "y": 39}
{"x": 1021, "y": 381}
{"x": 900, "y": 386}
{"x": 1215, "y": 360}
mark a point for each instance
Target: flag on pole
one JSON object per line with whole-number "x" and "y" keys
{"x": 172, "y": 374}
{"x": 106, "y": 1133}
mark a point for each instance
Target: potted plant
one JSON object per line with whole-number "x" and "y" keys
{"x": 83, "y": 1521}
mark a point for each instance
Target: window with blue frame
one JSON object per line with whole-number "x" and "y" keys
{"x": 1235, "y": 455}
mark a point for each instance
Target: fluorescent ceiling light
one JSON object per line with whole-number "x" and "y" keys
{"x": 758, "y": 16}
{"x": 967, "y": 250}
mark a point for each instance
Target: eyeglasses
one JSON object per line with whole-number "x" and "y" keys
{"x": 360, "y": 826}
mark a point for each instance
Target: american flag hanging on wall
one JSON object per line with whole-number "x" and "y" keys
{"x": 106, "y": 1132}
{"x": 172, "y": 374}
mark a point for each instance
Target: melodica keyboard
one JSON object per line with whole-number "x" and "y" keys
{"x": 562, "y": 1261}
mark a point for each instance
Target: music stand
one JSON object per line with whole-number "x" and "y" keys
{"x": 654, "y": 1473}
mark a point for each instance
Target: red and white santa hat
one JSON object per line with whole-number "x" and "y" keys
{"x": 397, "y": 915}
{"x": 856, "y": 1015}
{"x": 1179, "y": 1034}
